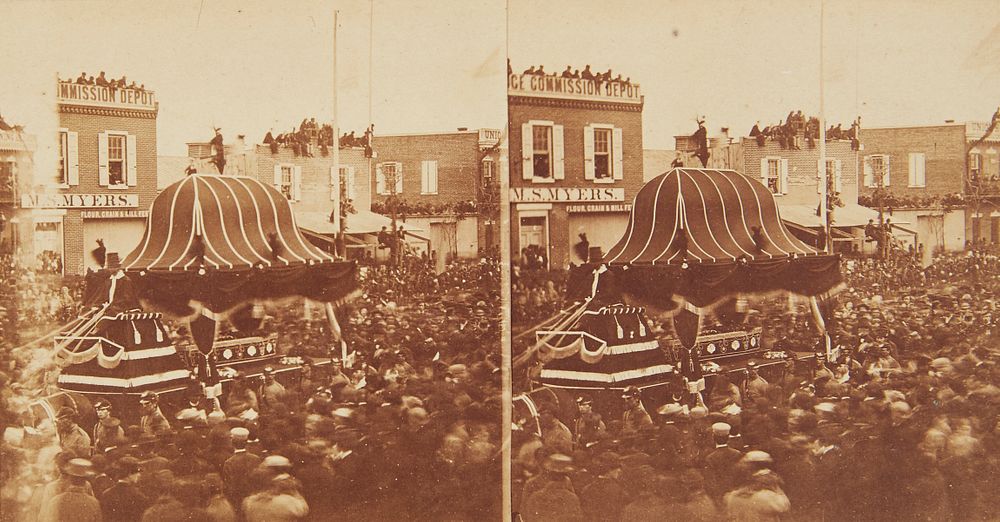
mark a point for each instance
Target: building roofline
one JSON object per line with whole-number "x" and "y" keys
{"x": 440, "y": 133}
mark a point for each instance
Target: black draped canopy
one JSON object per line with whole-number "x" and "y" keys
{"x": 223, "y": 241}
{"x": 702, "y": 235}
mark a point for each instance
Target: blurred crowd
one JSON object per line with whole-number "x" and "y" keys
{"x": 406, "y": 427}
{"x": 103, "y": 81}
{"x": 901, "y": 423}
{"x": 796, "y": 125}
{"x": 585, "y": 74}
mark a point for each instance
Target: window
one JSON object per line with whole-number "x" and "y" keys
{"x": 918, "y": 174}
{"x": 116, "y": 158}
{"x": 877, "y": 171}
{"x": 7, "y": 181}
{"x": 834, "y": 173}
{"x": 347, "y": 179}
{"x": 774, "y": 174}
{"x": 388, "y": 176}
{"x": 63, "y": 178}
{"x": 602, "y": 153}
{"x": 288, "y": 181}
{"x": 488, "y": 171}
{"x": 975, "y": 165}
{"x": 429, "y": 177}
{"x": 541, "y": 138}
{"x": 542, "y": 152}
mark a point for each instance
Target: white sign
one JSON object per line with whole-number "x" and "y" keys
{"x": 79, "y": 200}
{"x": 565, "y": 194}
{"x": 114, "y": 214}
{"x": 552, "y": 86}
{"x": 598, "y": 207}
{"x": 75, "y": 94}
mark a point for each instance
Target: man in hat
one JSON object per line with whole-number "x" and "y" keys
{"x": 272, "y": 392}
{"x": 589, "y": 427}
{"x": 762, "y": 497}
{"x": 554, "y": 499}
{"x": 720, "y": 464}
{"x": 76, "y": 501}
{"x": 236, "y": 470}
{"x": 757, "y": 386}
{"x": 152, "y": 420}
{"x": 124, "y": 501}
{"x": 635, "y": 416}
{"x": 71, "y": 436}
{"x": 108, "y": 431}
{"x": 555, "y": 435}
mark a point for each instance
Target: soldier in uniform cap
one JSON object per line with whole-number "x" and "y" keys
{"x": 720, "y": 464}
{"x": 589, "y": 426}
{"x": 635, "y": 416}
{"x": 757, "y": 386}
{"x": 152, "y": 421}
{"x": 71, "y": 436}
{"x": 108, "y": 431}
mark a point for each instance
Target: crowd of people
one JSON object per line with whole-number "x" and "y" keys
{"x": 901, "y": 423}
{"x": 406, "y": 427}
{"x": 797, "y": 125}
{"x": 103, "y": 81}
{"x": 570, "y": 72}
{"x": 310, "y": 133}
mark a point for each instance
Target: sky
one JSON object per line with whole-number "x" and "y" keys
{"x": 892, "y": 62}
{"x": 247, "y": 66}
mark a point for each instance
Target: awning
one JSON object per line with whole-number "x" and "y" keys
{"x": 850, "y": 215}
{"x": 361, "y": 222}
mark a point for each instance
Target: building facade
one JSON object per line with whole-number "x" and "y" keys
{"x": 446, "y": 184}
{"x": 576, "y": 164}
{"x": 104, "y": 182}
{"x": 921, "y": 172}
{"x": 982, "y": 187}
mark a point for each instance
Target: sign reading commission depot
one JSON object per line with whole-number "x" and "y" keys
{"x": 565, "y": 194}
{"x": 558, "y": 87}
{"x": 79, "y": 200}
{"x": 105, "y": 96}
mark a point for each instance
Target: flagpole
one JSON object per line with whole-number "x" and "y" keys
{"x": 336, "y": 189}
{"x": 821, "y": 177}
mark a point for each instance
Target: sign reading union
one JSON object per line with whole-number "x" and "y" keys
{"x": 105, "y": 96}
{"x": 79, "y": 200}
{"x": 558, "y": 87}
{"x": 565, "y": 194}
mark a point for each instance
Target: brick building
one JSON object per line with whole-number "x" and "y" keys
{"x": 104, "y": 182}
{"x": 982, "y": 189}
{"x": 576, "y": 163}
{"x": 447, "y": 184}
{"x": 922, "y": 172}
{"x": 17, "y": 151}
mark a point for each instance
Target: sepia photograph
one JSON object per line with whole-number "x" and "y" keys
{"x": 754, "y": 260}
{"x": 250, "y": 260}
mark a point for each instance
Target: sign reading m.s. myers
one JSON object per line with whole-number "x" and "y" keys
{"x": 79, "y": 200}
{"x": 71, "y": 93}
{"x": 565, "y": 194}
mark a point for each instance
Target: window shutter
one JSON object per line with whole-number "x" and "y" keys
{"x": 102, "y": 159}
{"x": 616, "y": 154}
{"x": 73, "y": 158}
{"x": 838, "y": 175}
{"x": 527, "y": 152}
{"x": 588, "y": 152}
{"x": 379, "y": 180}
{"x": 297, "y": 183}
{"x": 763, "y": 171}
{"x": 277, "y": 176}
{"x": 434, "y": 177}
{"x": 132, "y": 175}
{"x": 335, "y": 183}
{"x": 885, "y": 161}
{"x": 351, "y": 191}
{"x": 559, "y": 163}
{"x": 399, "y": 178}
{"x": 425, "y": 177}
{"x": 922, "y": 170}
{"x": 784, "y": 176}
{"x": 912, "y": 170}
{"x": 869, "y": 174}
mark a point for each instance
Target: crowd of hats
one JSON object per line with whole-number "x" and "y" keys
{"x": 902, "y": 424}
{"x": 410, "y": 429}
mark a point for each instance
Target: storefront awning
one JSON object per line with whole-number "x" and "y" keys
{"x": 361, "y": 222}
{"x": 850, "y": 215}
